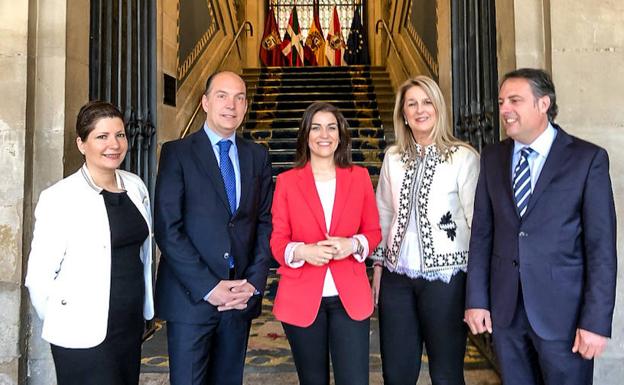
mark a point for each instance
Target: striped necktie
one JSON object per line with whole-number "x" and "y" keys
{"x": 522, "y": 181}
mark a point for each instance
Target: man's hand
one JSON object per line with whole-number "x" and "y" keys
{"x": 478, "y": 320}
{"x": 589, "y": 345}
{"x": 377, "y": 271}
{"x": 228, "y": 295}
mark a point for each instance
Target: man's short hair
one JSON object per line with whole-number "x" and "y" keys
{"x": 541, "y": 85}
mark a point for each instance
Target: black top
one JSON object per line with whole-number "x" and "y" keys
{"x": 128, "y": 232}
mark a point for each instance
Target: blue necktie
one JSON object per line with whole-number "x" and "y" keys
{"x": 522, "y": 181}
{"x": 229, "y": 181}
{"x": 227, "y": 172}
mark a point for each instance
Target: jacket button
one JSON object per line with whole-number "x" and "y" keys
{"x": 226, "y": 255}
{"x": 522, "y": 234}
{"x": 63, "y": 302}
{"x": 514, "y": 263}
{"x": 230, "y": 225}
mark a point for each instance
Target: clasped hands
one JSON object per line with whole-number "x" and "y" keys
{"x": 231, "y": 294}
{"x": 322, "y": 252}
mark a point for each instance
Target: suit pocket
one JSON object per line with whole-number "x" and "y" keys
{"x": 289, "y": 272}
{"x": 572, "y": 273}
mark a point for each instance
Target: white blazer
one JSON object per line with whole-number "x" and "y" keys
{"x": 69, "y": 267}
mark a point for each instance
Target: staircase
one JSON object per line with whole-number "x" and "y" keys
{"x": 279, "y": 95}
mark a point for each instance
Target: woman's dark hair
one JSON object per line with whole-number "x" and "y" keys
{"x": 91, "y": 113}
{"x": 342, "y": 156}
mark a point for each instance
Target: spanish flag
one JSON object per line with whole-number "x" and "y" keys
{"x": 315, "y": 41}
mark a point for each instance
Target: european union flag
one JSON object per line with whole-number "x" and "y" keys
{"x": 357, "y": 43}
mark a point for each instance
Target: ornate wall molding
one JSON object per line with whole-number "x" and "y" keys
{"x": 424, "y": 35}
{"x": 209, "y": 26}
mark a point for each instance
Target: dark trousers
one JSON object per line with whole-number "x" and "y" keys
{"x": 208, "y": 354}
{"x": 527, "y": 359}
{"x": 333, "y": 332}
{"x": 417, "y": 311}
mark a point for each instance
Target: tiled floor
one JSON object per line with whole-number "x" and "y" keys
{"x": 473, "y": 377}
{"x": 269, "y": 361}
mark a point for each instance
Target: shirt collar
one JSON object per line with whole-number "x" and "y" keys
{"x": 215, "y": 138}
{"x": 87, "y": 176}
{"x": 541, "y": 145}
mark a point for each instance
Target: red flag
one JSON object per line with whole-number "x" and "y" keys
{"x": 315, "y": 43}
{"x": 270, "y": 48}
{"x": 335, "y": 45}
{"x": 292, "y": 46}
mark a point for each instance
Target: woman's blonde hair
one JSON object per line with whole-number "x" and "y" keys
{"x": 440, "y": 134}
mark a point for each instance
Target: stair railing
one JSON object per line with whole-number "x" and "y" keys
{"x": 188, "y": 125}
{"x": 392, "y": 44}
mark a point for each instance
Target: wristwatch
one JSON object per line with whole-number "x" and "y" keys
{"x": 358, "y": 248}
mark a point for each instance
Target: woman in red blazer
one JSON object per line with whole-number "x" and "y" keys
{"x": 325, "y": 221}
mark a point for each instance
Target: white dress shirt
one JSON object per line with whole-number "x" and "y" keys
{"x": 541, "y": 147}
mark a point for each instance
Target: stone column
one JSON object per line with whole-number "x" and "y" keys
{"x": 587, "y": 57}
{"x": 43, "y": 85}
{"x": 13, "y": 78}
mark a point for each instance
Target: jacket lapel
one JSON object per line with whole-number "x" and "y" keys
{"x": 556, "y": 157}
{"x": 205, "y": 158}
{"x": 507, "y": 154}
{"x": 246, "y": 166}
{"x": 343, "y": 186}
{"x": 307, "y": 188}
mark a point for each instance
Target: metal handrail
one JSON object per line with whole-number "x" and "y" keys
{"x": 188, "y": 125}
{"x": 392, "y": 44}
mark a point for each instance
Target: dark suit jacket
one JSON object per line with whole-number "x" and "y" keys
{"x": 562, "y": 252}
{"x": 194, "y": 228}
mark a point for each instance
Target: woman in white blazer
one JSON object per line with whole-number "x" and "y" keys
{"x": 425, "y": 197}
{"x": 89, "y": 270}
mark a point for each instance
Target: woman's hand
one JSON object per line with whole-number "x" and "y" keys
{"x": 377, "y": 270}
{"x": 342, "y": 247}
{"x": 314, "y": 254}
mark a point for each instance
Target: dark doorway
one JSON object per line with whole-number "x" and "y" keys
{"x": 122, "y": 70}
{"x": 475, "y": 78}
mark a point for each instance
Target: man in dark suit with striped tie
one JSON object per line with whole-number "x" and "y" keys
{"x": 542, "y": 263}
{"x": 212, "y": 224}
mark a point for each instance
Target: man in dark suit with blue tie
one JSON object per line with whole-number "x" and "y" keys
{"x": 212, "y": 225}
{"x": 542, "y": 263}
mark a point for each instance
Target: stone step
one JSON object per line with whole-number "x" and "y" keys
{"x": 330, "y": 87}
{"x": 348, "y": 113}
{"x": 312, "y": 74}
{"x": 373, "y": 168}
{"x": 357, "y": 155}
{"x": 311, "y": 69}
{"x": 304, "y": 103}
{"x": 324, "y": 96}
{"x": 291, "y": 143}
{"x": 290, "y": 122}
{"x": 291, "y": 132}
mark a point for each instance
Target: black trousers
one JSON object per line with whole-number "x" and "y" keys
{"x": 208, "y": 354}
{"x": 527, "y": 359}
{"x": 333, "y": 332}
{"x": 417, "y": 311}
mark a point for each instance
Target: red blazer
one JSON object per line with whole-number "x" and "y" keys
{"x": 298, "y": 217}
